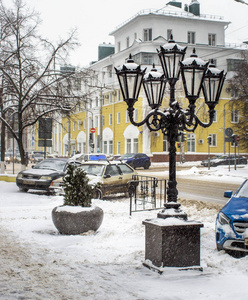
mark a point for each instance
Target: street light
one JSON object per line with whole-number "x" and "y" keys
{"x": 196, "y": 77}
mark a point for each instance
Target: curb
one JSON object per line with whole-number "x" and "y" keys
{"x": 8, "y": 178}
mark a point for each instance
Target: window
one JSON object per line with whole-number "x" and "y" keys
{"x": 84, "y": 123}
{"x": 96, "y": 121}
{"x": 119, "y": 46}
{"x": 118, "y": 96}
{"x": 191, "y": 142}
{"x": 147, "y": 34}
{"x": 147, "y": 58}
{"x": 213, "y": 141}
{"x": 105, "y": 147}
{"x": 211, "y": 39}
{"x": 103, "y": 121}
{"x": 110, "y": 97}
{"x": 165, "y": 143}
{"x": 135, "y": 35}
{"x": 118, "y": 147}
{"x": 96, "y": 101}
{"x": 169, "y": 33}
{"x": 234, "y": 116}
{"x": 129, "y": 146}
{"x": 191, "y": 37}
{"x": 79, "y": 124}
{"x": 110, "y": 119}
{"x": 112, "y": 170}
{"x": 135, "y": 145}
{"x": 125, "y": 169}
{"x": 233, "y": 64}
{"x": 127, "y": 40}
{"x": 118, "y": 117}
{"x": 73, "y": 126}
{"x": 111, "y": 147}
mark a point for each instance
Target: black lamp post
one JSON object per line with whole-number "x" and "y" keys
{"x": 172, "y": 244}
{"x": 196, "y": 76}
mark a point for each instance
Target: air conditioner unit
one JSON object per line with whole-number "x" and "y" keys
{"x": 80, "y": 122}
{"x": 114, "y": 93}
{"x": 106, "y": 96}
{"x": 156, "y": 134}
{"x": 200, "y": 141}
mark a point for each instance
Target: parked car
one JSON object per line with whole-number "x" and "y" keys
{"x": 205, "y": 161}
{"x": 232, "y": 222}
{"x": 36, "y": 157}
{"x": 91, "y": 156}
{"x": 136, "y": 160}
{"x": 226, "y": 160}
{"x": 42, "y": 175}
{"x": 113, "y": 176}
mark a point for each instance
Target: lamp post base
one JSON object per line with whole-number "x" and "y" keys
{"x": 172, "y": 242}
{"x": 172, "y": 209}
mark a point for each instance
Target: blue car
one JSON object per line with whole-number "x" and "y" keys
{"x": 232, "y": 223}
{"x": 136, "y": 160}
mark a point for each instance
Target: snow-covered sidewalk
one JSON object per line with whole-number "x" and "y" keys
{"x": 38, "y": 263}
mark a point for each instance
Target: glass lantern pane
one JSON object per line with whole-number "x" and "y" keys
{"x": 131, "y": 80}
{"x": 198, "y": 80}
{"x": 137, "y": 87}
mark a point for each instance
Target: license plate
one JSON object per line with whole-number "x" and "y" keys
{"x": 28, "y": 182}
{"x": 246, "y": 242}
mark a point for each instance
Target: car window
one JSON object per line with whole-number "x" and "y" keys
{"x": 112, "y": 170}
{"x": 58, "y": 165}
{"x": 93, "y": 169}
{"x": 125, "y": 169}
{"x": 243, "y": 192}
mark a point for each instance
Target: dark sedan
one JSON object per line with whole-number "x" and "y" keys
{"x": 42, "y": 175}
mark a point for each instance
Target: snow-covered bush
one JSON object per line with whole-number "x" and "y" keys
{"x": 77, "y": 190}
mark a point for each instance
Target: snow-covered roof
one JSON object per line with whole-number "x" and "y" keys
{"x": 170, "y": 10}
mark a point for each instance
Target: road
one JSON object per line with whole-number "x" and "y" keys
{"x": 189, "y": 189}
{"x": 193, "y": 189}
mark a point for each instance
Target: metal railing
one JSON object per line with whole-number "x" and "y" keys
{"x": 146, "y": 193}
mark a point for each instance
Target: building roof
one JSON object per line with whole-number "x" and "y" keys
{"x": 171, "y": 11}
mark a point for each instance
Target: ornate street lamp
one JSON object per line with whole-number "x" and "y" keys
{"x": 196, "y": 77}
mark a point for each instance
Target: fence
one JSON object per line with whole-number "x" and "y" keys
{"x": 146, "y": 193}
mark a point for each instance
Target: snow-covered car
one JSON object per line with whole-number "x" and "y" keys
{"x": 42, "y": 175}
{"x": 212, "y": 158}
{"x": 232, "y": 222}
{"x": 226, "y": 160}
{"x": 88, "y": 157}
{"x": 113, "y": 177}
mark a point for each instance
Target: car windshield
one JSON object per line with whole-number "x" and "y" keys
{"x": 57, "y": 165}
{"x": 243, "y": 192}
{"x": 92, "y": 169}
{"x": 128, "y": 155}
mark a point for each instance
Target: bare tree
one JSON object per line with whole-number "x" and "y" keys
{"x": 32, "y": 87}
{"x": 239, "y": 101}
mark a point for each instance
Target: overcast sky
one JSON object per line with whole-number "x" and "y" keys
{"x": 95, "y": 19}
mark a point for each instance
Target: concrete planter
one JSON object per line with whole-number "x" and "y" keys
{"x": 73, "y": 220}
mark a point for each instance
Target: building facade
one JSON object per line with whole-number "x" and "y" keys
{"x": 102, "y": 123}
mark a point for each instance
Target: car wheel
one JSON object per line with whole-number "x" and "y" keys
{"x": 147, "y": 165}
{"x": 97, "y": 194}
{"x": 237, "y": 254}
{"x": 23, "y": 190}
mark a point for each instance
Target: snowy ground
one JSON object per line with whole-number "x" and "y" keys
{"x": 38, "y": 263}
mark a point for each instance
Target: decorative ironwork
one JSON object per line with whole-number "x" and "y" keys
{"x": 196, "y": 76}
